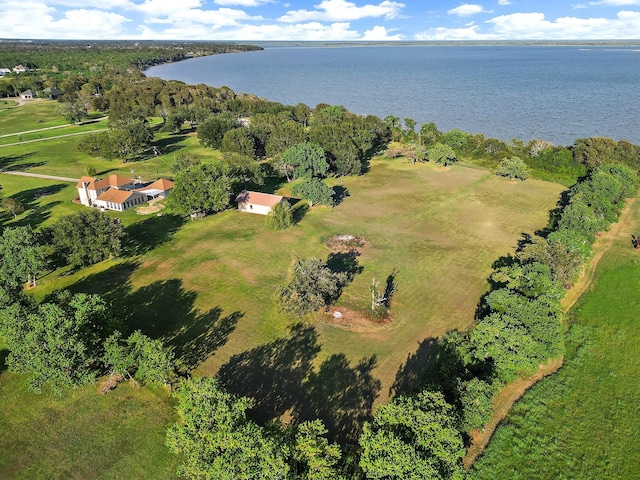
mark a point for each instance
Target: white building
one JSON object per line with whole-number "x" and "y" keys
{"x": 256, "y": 202}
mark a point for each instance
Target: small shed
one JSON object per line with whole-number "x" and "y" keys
{"x": 256, "y": 202}
{"x": 28, "y": 94}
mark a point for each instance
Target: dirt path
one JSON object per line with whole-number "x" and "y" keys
{"x": 53, "y": 138}
{"x": 40, "y": 175}
{"x": 512, "y": 392}
{"x": 37, "y": 130}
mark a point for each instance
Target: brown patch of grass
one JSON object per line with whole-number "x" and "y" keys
{"x": 353, "y": 320}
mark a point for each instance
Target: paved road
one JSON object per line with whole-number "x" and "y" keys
{"x": 39, "y": 175}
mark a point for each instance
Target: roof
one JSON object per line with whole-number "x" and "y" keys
{"x": 161, "y": 184}
{"x": 257, "y": 198}
{"x": 113, "y": 180}
{"x": 88, "y": 180}
{"x": 116, "y": 196}
{"x": 28, "y": 92}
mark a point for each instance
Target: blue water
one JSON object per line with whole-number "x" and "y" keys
{"x": 553, "y": 93}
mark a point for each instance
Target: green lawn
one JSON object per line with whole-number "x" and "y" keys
{"x": 207, "y": 288}
{"x": 32, "y": 115}
{"x": 83, "y": 434}
{"x": 74, "y": 129}
{"x": 584, "y": 421}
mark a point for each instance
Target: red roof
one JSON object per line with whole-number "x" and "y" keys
{"x": 257, "y": 198}
{"x": 116, "y": 196}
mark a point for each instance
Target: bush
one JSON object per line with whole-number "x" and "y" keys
{"x": 281, "y": 216}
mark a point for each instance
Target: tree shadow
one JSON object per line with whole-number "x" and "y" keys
{"x": 340, "y": 192}
{"x": 35, "y": 213}
{"x": 345, "y": 262}
{"x": 12, "y": 163}
{"x": 4, "y": 353}
{"x": 390, "y": 287}
{"x": 556, "y": 213}
{"x": 298, "y": 209}
{"x": 280, "y": 377}
{"x": 152, "y": 232}
{"x": 273, "y": 373}
{"x": 435, "y": 365}
{"x": 163, "y": 310}
{"x": 169, "y": 144}
{"x": 341, "y": 396}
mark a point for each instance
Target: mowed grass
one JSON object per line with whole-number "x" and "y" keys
{"x": 83, "y": 434}
{"x": 440, "y": 229}
{"x": 34, "y": 114}
{"x": 55, "y": 132}
{"x": 584, "y": 421}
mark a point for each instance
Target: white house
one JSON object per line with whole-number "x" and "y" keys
{"x": 120, "y": 200}
{"x": 119, "y": 193}
{"x": 256, "y": 202}
{"x": 19, "y": 69}
{"x": 4, "y": 71}
{"x": 28, "y": 94}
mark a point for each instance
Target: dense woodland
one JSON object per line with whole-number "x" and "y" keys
{"x": 423, "y": 431}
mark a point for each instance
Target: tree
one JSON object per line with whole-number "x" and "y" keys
{"x": 74, "y": 110}
{"x": 138, "y": 357}
{"x": 314, "y": 458}
{"x": 476, "y": 399}
{"x": 211, "y": 131}
{"x": 239, "y": 140}
{"x": 441, "y": 153}
{"x": 184, "y": 160}
{"x": 307, "y": 159}
{"x": 514, "y": 168}
{"x": 22, "y": 259}
{"x": 57, "y": 343}
{"x": 413, "y": 438}
{"x": 130, "y": 139}
{"x": 13, "y": 205}
{"x": 87, "y": 237}
{"x": 201, "y": 189}
{"x": 312, "y": 285}
{"x": 216, "y": 440}
{"x": 429, "y": 133}
{"x": 281, "y": 216}
{"x": 314, "y": 190}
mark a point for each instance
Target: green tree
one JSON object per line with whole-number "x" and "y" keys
{"x": 130, "y": 139}
{"x": 281, "y": 216}
{"x": 138, "y": 357}
{"x": 216, "y": 440}
{"x": 239, "y": 140}
{"x": 22, "y": 259}
{"x": 457, "y": 139}
{"x": 441, "y": 153}
{"x": 211, "y": 131}
{"x": 429, "y": 133}
{"x": 594, "y": 151}
{"x": 13, "y": 206}
{"x": 184, "y": 160}
{"x": 314, "y": 457}
{"x": 307, "y": 160}
{"x": 314, "y": 190}
{"x": 476, "y": 399}
{"x": 87, "y": 237}
{"x": 57, "y": 343}
{"x": 73, "y": 110}
{"x": 514, "y": 168}
{"x": 413, "y": 438}
{"x": 312, "y": 285}
{"x": 202, "y": 189}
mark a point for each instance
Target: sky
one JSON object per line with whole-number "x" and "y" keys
{"x": 320, "y": 20}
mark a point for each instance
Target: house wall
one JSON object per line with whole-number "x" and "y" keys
{"x": 252, "y": 208}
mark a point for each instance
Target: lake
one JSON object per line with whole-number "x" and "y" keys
{"x": 555, "y": 93}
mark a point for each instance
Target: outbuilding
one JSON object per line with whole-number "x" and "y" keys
{"x": 256, "y": 202}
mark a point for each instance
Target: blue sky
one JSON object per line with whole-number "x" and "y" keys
{"x": 324, "y": 20}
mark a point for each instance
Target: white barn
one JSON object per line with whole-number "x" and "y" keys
{"x": 256, "y": 202}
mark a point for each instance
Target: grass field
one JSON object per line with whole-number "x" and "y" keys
{"x": 32, "y": 115}
{"x": 207, "y": 288}
{"x": 584, "y": 421}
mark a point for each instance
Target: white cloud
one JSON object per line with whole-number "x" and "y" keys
{"x": 167, "y": 7}
{"x": 86, "y": 4}
{"x": 241, "y": 3}
{"x": 466, "y": 10}
{"x": 298, "y": 32}
{"x": 37, "y": 20}
{"x": 380, "y": 33}
{"x": 504, "y": 2}
{"x": 342, "y": 10}
{"x": 535, "y": 26}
